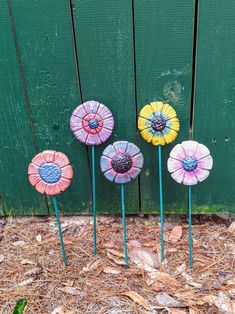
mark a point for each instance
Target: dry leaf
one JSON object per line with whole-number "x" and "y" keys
{"x": 109, "y": 244}
{"x": 39, "y": 238}
{"x": 224, "y": 303}
{"x": 111, "y": 270}
{"x": 61, "y": 310}
{"x": 25, "y": 282}
{"x": 115, "y": 252}
{"x": 70, "y": 290}
{"x": 171, "y": 250}
{"x": 209, "y": 299}
{"x": 99, "y": 270}
{"x": 134, "y": 243}
{"x": 19, "y": 243}
{"x": 92, "y": 265}
{"x": 34, "y": 271}
{"x": 175, "y": 234}
{"x": 156, "y": 287}
{"x": 137, "y": 298}
{"x": 164, "y": 299}
{"x": 231, "y": 282}
{"x": 231, "y": 228}
{"x": 2, "y": 257}
{"x": 182, "y": 270}
{"x": 165, "y": 278}
{"x": 27, "y": 262}
{"x": 225, "y": 276}
{"x": 116, "y": 260}
{"x": 177, "y": 311}
{"x": 144, "y": 258}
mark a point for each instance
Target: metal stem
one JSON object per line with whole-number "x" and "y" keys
{"x": 190, "y": 226}
{"x": 93, "y": 195}
{"x": 124, "y": 224}
{"x": 55, "y": 205}
{"x": 161, "y": 202}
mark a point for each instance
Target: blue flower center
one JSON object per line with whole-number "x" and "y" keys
{"x": 158, "y": 124}
{"x": 50, "y": 172}
{"x": 93, "y": 123}
{"x": 189, "y": 163}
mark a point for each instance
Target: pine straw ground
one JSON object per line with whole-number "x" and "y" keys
{"x": 31, "y": 266}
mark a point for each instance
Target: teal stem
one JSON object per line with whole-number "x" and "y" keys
{"x": 161, "y": 202}
{"x": 55, "y": 205}
{"x": 190, "y": 226}
{"x": 93, "y": 195}
{"x": 124, "y": 224}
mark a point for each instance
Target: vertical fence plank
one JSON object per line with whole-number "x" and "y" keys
{"x": 45, "y": 40}
{"x": 105, "y": 55}
{"x": 214, "y": 104}
{"x": 164, "y": 39}
{"x": 16, "y": 141}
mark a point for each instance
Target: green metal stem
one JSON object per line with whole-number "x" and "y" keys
{"x": 161, "y": 202}
{"x": 55, "y": 205}
{"x": 124, "y": 224}
{"x": 190, "y": 226}
{"x": 93, "y": 195}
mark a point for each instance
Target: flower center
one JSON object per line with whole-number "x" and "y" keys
{"x": 121, "y": 163}
{"x": 50, "y": 172}
{"x": 158, "y": 124}
{"x": 189, "y": 163}
{"x": 93, "y": 123}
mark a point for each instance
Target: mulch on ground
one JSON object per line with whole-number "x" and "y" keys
{"x": 31, "y": 266}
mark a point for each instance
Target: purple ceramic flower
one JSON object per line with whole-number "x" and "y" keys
{"x": 189, "y": 162}
{"x": 121, "y": 162}
{"x": 92, "y": 123}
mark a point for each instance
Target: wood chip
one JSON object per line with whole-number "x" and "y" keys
{"x": 164, "y": 299}
{"x": 111, "y": 270}
{"x": 2, "y": 257}
{"x": 115, "y": 252}
{"x": 115, "y": 259}
{"x": 164, "y": 278}
{"x": 92, "y": 265}
{"x": 136, "y": 297}
{"x": 70, "y": 290}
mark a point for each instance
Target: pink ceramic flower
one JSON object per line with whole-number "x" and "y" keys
{"x": 92, "y": 123}
{"x": 50, "y": 172}
{"x": 121, "y": 162}
{"x": 189, "y": 162}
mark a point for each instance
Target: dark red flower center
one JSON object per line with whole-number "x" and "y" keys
{"x": 121, "y": 163}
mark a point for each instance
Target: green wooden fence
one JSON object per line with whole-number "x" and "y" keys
{"x": 123, "y": 53}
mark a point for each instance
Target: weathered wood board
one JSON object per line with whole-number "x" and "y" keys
{"x": 164, "y": 41}
{"x": 214, "y": 110}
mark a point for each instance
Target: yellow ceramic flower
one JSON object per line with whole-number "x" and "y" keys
{"x": 158, "y": 123}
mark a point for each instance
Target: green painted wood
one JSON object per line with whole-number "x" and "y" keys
{"x": 16, "y": 141}
{"x": 45, "y": 40}
{"x": 214, "y": 104}
{"x": 164, "y": 39}
{"x": 105, "y": 54}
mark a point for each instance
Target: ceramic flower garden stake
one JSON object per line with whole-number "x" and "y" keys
{"x": 190, "y": 163}
{"x": 121, "y": 162}
{"x": 92, "y": 124}
{"x": 50, "y": 173}
{"x": 159, "y": 125}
